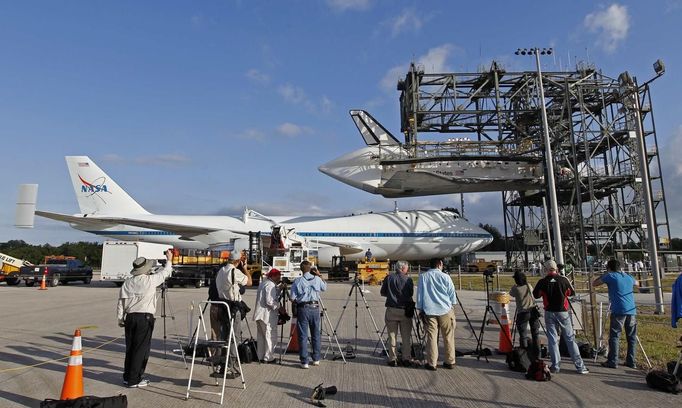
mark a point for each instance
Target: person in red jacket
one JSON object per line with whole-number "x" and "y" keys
{"x": 555, "y": 290}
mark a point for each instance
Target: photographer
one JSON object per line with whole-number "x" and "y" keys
{"x": 231, "y": 281}
{"x": 305, "y": 292}
{"x": 435, "y": 300}
{"x": 527, "y": 313}
{"x": 266, "y": 315}
{"x": 555, "y": 290}
{"x": 398, "y": 288}
{"x": 135, "y": 312}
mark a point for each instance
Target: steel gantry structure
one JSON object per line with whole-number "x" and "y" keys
{"x": 592, "y": 120}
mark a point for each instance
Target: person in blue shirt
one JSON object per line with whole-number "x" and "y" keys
{"x": 435, "y": 301}
{"x": 676, "y": 302}
{"x": 305, "y": 293}
{"x": 623, "y": 311}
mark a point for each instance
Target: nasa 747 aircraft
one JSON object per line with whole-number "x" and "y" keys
{"x": 107, "y": 210}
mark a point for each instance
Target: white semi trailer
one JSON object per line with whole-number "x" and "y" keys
{"x": 118, "y": 257}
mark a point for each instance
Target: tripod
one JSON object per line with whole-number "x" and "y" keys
{"x": 164, "y": 315}
{"x": 488, "y": 308}
{"x": 355, "y": 288}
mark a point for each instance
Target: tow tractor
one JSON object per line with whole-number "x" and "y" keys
{"x": 10, "y": 269}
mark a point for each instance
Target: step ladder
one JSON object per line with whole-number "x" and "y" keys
{"x": 230, "y": 343}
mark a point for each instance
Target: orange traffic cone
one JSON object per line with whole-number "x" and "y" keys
{"x": 43, "y": 285}
{"x": 293, "y": 337}
{"x": 505, "y": 335}
{"x": 73, "y": 380}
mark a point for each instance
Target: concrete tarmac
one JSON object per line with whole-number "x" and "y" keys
{"x": 38, "y": 327}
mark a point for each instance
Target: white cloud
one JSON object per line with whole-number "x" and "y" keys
{"x": 295, "y": 95}
{"x": 435, "y": 60}
{"x": 292, "y": 94}
{"x": 257, "y": 76}
{"x": 163, "y": 159}
{"x": 611, "y": 26}
{"x": 169, "y": 159}
{"x": 292, "y": 130}
{"x": 408, "y": 20}
{"x": 344, "y": 5}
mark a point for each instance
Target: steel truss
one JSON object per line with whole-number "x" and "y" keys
{"x": 593, "y": 140}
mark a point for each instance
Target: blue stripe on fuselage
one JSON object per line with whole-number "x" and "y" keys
{"x": 330, "y": 234}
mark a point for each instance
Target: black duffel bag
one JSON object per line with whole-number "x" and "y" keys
{"x": 88, "y": 401}
{"x": 248, "y": 351}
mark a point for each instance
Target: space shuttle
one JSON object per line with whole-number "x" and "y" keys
{"x": 392, "y": 169}
{"x": 107, "y": 210}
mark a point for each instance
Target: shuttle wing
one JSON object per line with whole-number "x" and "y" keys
{"x": 346, "y": 248}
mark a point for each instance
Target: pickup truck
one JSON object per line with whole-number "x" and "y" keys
{"x": 56, "y": 271}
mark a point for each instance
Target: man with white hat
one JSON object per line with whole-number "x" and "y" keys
{"x": 230, "y": 281}
{"x": 555, "y": 290}
{"x": 135, "y": 311}
{"x": 266, "y": 315}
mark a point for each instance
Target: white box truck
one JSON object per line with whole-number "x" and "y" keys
{"x": 118, "y": 257}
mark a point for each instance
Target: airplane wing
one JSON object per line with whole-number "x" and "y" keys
{"x": 347, "y": 248}
{"x": 211, "y": 236}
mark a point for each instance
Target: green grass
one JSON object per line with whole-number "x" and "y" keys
{"x": 658, "y": 338}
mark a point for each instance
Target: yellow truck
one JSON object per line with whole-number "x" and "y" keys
{"x": 373, "y": 272}
{"x": 481, "y": 265}
{"x": 10, "y": 269}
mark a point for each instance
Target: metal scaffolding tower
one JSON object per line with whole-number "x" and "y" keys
{"x": 592, "y": 123}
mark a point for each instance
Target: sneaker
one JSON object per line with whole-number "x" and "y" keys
{"x": 142, "y": 383}
{"x": 316, "y": 363}
{"x": 393, "y": 363}
{"x": 429, "y": 367}
{"x": 608, "y": 365}
{"x": 554, "y": 370}
{"x": 631, "y": 365}
{"x": 449, "y": 366}
{"x": 125, "y": 382}
{"x": 232, "y": 375}
{"x": 305, "y": 366}
{"x": 583, "y": 370}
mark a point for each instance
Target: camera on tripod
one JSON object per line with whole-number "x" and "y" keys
{"x": 488, "y": 273}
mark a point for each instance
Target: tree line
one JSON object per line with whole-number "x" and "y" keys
{"x": 88, "y": 252}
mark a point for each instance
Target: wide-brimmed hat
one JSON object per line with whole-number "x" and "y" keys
{"x": 142, "y": 266}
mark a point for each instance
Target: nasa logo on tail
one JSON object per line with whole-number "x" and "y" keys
{"x": 94, "y": 188}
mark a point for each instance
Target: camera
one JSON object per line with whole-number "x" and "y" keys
{"x": 488, "y": 273}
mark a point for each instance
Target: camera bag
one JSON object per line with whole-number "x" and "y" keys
{"x": 518, "y": 360}
{"x": 248, "y": 351}
{"x": 88, "y": 401}
{"x": 663, "y": 381}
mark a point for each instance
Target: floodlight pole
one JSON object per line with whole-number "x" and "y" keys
{"x": 631, "y": 104}
{"x": 549, "y": 164}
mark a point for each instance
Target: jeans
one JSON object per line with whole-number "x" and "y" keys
{"x": 617, "y": 324}
{"x": 529, "y": 341}
{"x": 562, "y": 321}
{"x": 308, "y": 317}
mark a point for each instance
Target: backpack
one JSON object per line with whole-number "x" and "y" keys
{"x": 88, "y": 401}
{"x": 671, "y": 367}
{"x": 538, "y": 371}
{"x": 518, "y": 360}
{"x": 247, "y": 351}
{"x": 663, "y": 381}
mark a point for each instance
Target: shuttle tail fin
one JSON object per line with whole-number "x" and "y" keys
{"x": 371, "y": 130}
{"x": 96, "y": 192}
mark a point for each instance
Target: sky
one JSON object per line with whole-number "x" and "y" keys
{"x": 207, "y": 107}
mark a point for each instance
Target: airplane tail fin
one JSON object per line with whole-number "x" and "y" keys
{"x": 96, "y": 192}
{"x": 372, "y": 131}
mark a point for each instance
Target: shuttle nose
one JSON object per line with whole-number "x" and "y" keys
{"x": 359, "y": 169}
